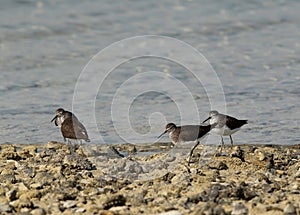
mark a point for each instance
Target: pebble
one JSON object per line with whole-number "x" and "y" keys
{"x": 38, "y": 211}
{"x": 5, "y": 207}
{"x": 80, "y": 210}
{"x": 289, "y": 209}
{"x": 70, "y": 204}
{"x": 171, "y": 213}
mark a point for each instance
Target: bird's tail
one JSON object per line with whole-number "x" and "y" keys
{"x": 244, "y": 122}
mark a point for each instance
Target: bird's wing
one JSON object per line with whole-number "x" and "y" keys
{"x": 204, "y": 129}
{"x": 73, "y": 129}
{"x": 193, "y": 132}
{"x": 67, "y": 129}
{"x": 81, "y": 131}
{"x": 234, "y": 123}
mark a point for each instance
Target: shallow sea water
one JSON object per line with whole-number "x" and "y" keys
{"x": 253, "y": 49}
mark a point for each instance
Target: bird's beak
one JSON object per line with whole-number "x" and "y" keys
{"x": 206, "y": 119}
{"x": 54, "y": 118}
{"x": 162, "y": 134}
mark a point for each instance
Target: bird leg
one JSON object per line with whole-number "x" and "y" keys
{"x": 192, "y": 150}
{"x": 231, "y": 140}
{"x": 222, "y": 144}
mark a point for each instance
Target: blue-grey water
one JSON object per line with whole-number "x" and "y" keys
{"x": 253, "y": 47}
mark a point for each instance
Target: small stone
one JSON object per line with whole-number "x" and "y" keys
{"x": 8, "y": 178}
{"x": 70, "y": 204}
{"x": 37, "y": 185}
{"x": 9, "y": 153}
{"x": 11, "y": 164}
{"x": 24, "y": 211}
{"x": 5, "y": 207}
{"x": 22, "y": 203}
{"x": 28, "y": 151}
{"x": 22, "y": 187}
{"x": 261, "y": 156}
{"x": 239, "y": 209}
{"x": 105, "y": 212}
{"x": 117, "y": 209}
{"x": 11, "y": 195}
{"x": 289, "y": 210}
{"x": 38, "y": 211}
{"x": 80, "y": 210}
{"x": 54, "y": 145}
{"x": 170, "y": 213}
{"x": 280, "y": 172}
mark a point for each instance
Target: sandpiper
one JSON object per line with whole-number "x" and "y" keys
{"x": 225, "y": 125}
{"x": 187, "y": 133}
{"x": 70, "y": 126}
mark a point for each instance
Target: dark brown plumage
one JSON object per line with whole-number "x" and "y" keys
{"x": 70, "y": 126}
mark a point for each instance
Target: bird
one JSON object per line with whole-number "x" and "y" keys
{"x": 225, "y": 125}
{"x": 71, "y": 128}
{"x": 187, "y": 133}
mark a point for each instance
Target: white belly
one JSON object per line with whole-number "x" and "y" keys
{"x": 224, "y": 131}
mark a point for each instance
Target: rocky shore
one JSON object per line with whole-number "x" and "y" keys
{"x": 56, "y": 178}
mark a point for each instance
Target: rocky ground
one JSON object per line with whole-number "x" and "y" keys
{"x": 57, "y": 178}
